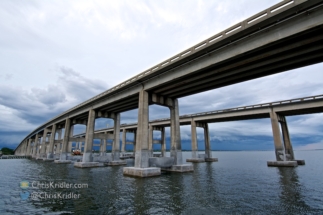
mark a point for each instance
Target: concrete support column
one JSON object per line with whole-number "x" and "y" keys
{"x": 142, "y": 154}
{"x": 104, "y": 145}
{"x": 87, "y": 155}
{"x": 102, "y": 151}
{"x": 134, "y": 142}
{"x": 176, "y": 147}
{"x": 25, "y": 147}
{"x": 150, "y": 139}
{"x": 29, "y": 147}
{"x": 142, "y": 147}
{"x": 208, "y": 152}
{"x": 51, "y": 143}
{"x": 116, "y": 140}
{"x": 279, "y": 150}
{"x": 163, "y": 142}
{"x": 35, "y": 146}
{"x": 194, "y": 139}
{"x": 59, "y": 137}
{"x": 289, "y": 152}
{"x": 69, "y": 148}
{"x": 124, "y": 139}
{"x": 64, "y": 149}
{"x": 284, "y": 153}
{"x": 42, "y": 153}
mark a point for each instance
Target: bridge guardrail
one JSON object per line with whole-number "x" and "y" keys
{"x": 234, "y": 109}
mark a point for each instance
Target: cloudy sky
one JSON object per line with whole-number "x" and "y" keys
{"x": 57, "y": 54}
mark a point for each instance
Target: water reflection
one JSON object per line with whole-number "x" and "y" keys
{"x": 292, "y": 200}
{"x": 231, "y": 186}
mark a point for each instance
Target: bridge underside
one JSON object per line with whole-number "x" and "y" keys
{"x": 286, "y": 45}
{"x": 297, "y": 51}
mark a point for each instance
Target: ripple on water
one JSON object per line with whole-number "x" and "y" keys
{"x": 240, "y": 183}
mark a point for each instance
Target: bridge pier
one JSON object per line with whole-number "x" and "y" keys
{"x": 63, "y": 151}
{"x": 195, "y": 157}
{"x": 124, "y": 139}
{"x": 142, "y": 154}
{"x": 50, "y": 154}
{"x": 284, "y": 153}
{"x": 207, "y": 157}
{"x": 116, "y": 144}
{"x": 162, "y": 140}
{"x": 87, "y": 160}
{"x": 42, "y": 153}
{"x": 29, "y": 147}
{"x": 103, "y": 147}
{"x": 35, "y": 147}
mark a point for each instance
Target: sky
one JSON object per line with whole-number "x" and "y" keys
{"x": 57, "y": 54}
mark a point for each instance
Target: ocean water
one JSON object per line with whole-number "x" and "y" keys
{"x": 240, "y": 183}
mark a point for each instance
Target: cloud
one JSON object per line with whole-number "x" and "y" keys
{"x": 103, "y": 43}
{"x": 311, "y": 146}
{"x": 23, "y": 110}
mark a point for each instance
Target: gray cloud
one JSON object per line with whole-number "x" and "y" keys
{"x": 102, "y": 43}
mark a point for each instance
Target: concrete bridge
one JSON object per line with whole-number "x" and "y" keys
{"x": 285, "y": 36}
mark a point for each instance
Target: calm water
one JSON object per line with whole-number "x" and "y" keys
{"x": 240, "y": 183}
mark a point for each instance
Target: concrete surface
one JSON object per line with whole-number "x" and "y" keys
{"x": 282, "y": 163}
{"x": 141, "y": 172}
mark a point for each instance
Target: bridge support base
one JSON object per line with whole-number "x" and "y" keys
{"x": 116, "y": 163}
{"x": 195, "y": 160}
{"x": 141, "y": 172}
{"x": 180, "y": 168}
{"x": 87, "y": 164}
{"x": 48, "y": 159}
{"x": 62, "y": 161}
{"x": 282, "y": 163}
{"x": 300, "y": 162}
{"x": 211, "y": 160}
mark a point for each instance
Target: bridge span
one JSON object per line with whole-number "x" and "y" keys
{"x": 285, "y": 36}
{"x": 276, "y": 111}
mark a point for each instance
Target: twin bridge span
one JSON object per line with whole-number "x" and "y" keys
{"x": 276, "y": 111}
{"x": 285, "y": 36}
